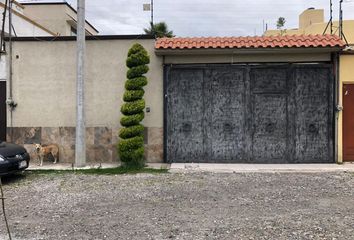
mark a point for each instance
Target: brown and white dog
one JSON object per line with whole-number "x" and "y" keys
{"x": 44, "y": 150}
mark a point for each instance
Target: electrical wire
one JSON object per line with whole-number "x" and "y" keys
{"x": 2, "y": 43}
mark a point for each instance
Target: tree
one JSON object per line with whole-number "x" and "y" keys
{"x": 131, "y": 145}
{"x": 281, "y": 22}
{"x": 159, "y": 30}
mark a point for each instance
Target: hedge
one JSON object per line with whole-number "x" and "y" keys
{"x": 131, "y": 144}
{"x": 132, "y": 95}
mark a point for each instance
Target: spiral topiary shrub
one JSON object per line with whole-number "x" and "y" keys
{"x": 131, "y": 145}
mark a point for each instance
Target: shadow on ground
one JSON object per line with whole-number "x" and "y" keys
{"x": 15, "y": 178}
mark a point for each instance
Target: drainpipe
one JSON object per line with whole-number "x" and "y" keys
{"x": 338, "y": 107}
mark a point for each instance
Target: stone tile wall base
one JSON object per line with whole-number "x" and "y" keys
{"x": 101, "y": 143}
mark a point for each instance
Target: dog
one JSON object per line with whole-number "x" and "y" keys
{"x": 44, "y": 150}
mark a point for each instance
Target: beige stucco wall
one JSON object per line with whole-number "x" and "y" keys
{"x": 311, "y": 16}
{"x": 44, "y": 83}
{"x": 51, "y": 17}
{"x": 247, "y": 58}
{"x": 346, "y": 77}
{"x": 55, "y": 18}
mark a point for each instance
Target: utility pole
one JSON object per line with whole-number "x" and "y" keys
{"x": 80, "y": 145}
{"x": 152, "y": 12}
{"x": 10, "y": 49}
{"x": 331, "y": 14}
{"x": 10, "y": 70}
{"x": 340, "y": 19}
{"x": 330, "y": 22}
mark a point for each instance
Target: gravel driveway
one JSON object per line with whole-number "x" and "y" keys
{"x": 181, "y": 206}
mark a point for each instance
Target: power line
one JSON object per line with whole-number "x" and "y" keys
{"x": 2, "y": 44}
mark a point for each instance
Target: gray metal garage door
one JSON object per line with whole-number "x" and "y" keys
{"x": 249, "y": 113}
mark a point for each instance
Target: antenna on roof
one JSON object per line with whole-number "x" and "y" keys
{"x": 330, "y": 22}
{"x": 341, "y": 32}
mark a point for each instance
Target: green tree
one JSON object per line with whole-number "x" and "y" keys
{"x": 159, "y": 30}
{"x": 131, "y": 145}
{"x": 281, "y": 22}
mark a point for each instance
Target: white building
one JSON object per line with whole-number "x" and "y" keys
{"x": 22, "y": 25}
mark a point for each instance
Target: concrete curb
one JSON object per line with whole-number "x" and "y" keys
{"x": 69, "y": 166}
{"x": 261, "y": 168}
{"x": 216, "y": 168}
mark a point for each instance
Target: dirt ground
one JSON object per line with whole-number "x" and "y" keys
{"x": 180, "y": 206}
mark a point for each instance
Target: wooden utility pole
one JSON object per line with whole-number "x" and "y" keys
{"x": 80, "y": 145}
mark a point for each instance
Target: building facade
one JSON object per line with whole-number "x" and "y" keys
{"x": 312, "y": 21}
{"x": 237, "y": 100}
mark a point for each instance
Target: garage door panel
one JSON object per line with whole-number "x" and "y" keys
{"x": 259, "y": 114}
{"x": 225, "y": 116}
{"x": 185, "y": 111}
{"x": 269, "y": 138}
{"x": 269, "y": 79}
{"x": 313, "y": 120}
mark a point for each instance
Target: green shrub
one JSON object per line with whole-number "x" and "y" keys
{"x": 136, "y": 48}
{"x": 133, "y": 157}
{"x": 131, "y": 145}
{"x": 137, "y": 71}
{"x": 131, "y": 120}
{"x": 137, "y": 59}
{"x": 135, "y": 83}
{"x": 132, "y": 95}
{"x": 129, "y": 132}
{"x": 130, "y": 108}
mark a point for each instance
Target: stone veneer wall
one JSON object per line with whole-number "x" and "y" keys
{"x": 100, "y": 142}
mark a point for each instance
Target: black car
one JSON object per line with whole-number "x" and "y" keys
{"x": 13, "y": 158}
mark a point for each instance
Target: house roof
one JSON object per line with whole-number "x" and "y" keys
{"x": 294, "y": 41}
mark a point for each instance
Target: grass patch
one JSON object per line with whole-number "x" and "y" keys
{"x": 102, "y": 171}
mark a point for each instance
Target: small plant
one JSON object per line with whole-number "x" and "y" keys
{"x": 159, "y": 30}
{"x": 131, "y": 145}
{"x": 281, "y": 22}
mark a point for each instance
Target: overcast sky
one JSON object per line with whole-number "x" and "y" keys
{"x": 202, "y": 17}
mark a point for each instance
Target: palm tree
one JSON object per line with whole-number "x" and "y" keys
{"x": 159, "y": 30}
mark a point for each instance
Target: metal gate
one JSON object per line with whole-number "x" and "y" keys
{"x": 2, "y": 110}
{"x": 249, "y": 113}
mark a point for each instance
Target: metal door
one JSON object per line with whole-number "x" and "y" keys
{"x": 224, "y": 114}
{"x": 348, "y": 122}
{"x": 249, "y": 113}
{"x": 269, "y": 99}
{"x": 313, "y": 99}
{"x": 185, "y": 115}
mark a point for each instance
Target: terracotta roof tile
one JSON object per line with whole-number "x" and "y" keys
{"x": 294, "y": 41}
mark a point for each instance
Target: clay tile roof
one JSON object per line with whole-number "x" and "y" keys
{"x": 294, "y": 41}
